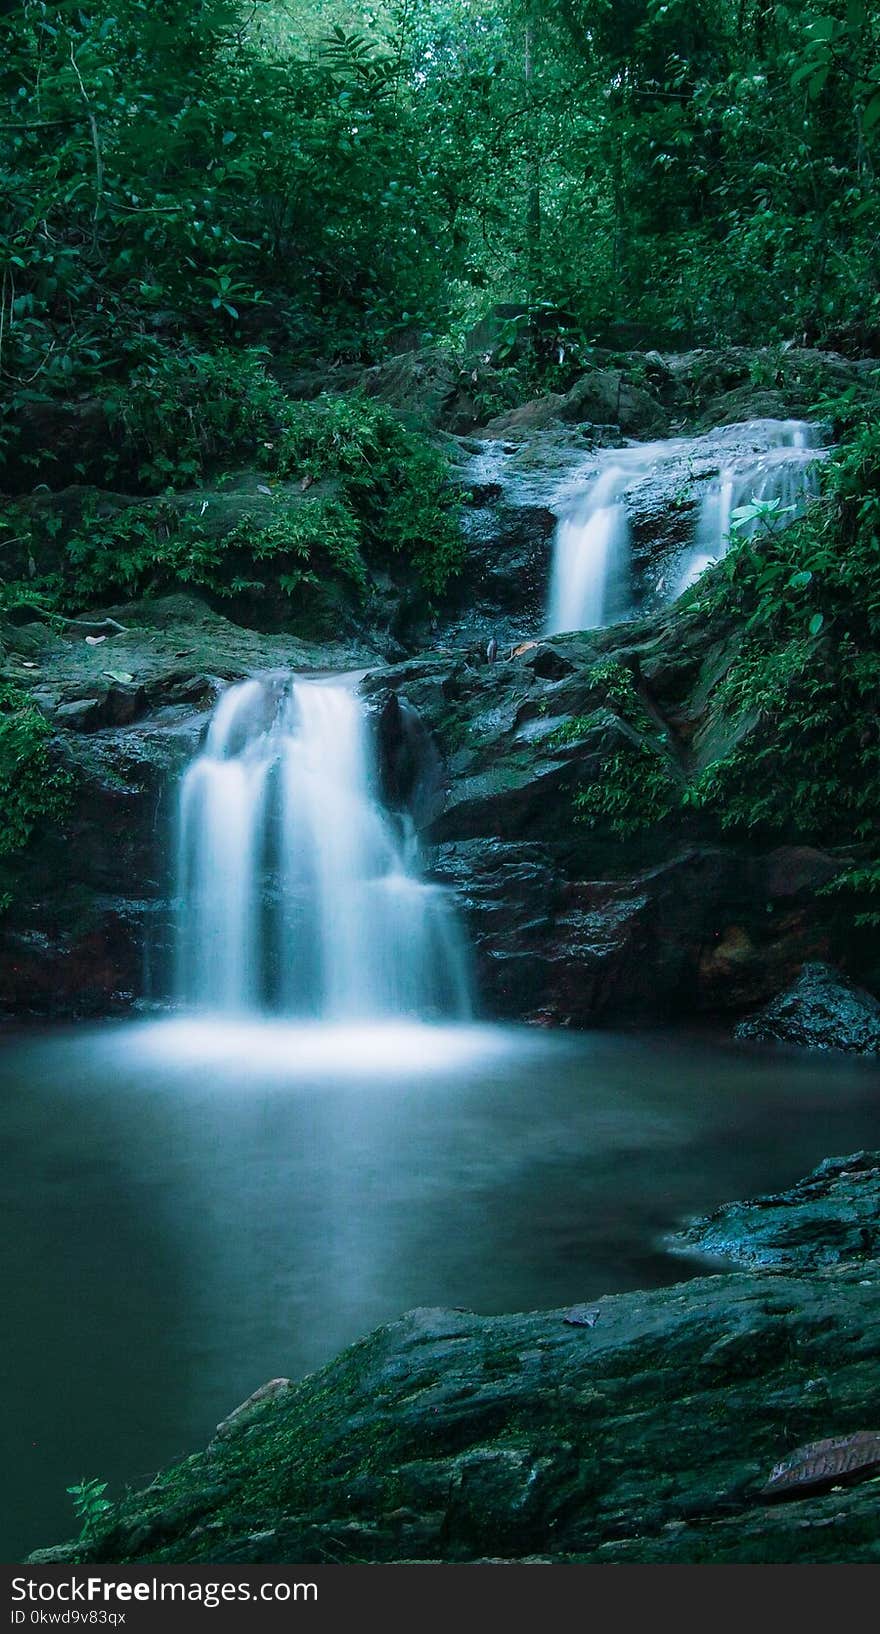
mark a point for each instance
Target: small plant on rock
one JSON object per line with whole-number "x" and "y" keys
{"x": 90, "y": 1507}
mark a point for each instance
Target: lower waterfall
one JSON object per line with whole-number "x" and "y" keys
{"x": 298, "y": 894}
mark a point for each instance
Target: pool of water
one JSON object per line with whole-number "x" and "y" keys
{"x": 191, "y": 1209}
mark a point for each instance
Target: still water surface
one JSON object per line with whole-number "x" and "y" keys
{"x": 192, "y": 1208}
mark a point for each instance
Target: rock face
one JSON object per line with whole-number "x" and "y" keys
{"x": 830, "y": 1218}
{"x": 821, "y": 1011}
{"x": 654, "y": 1431}
{"x": 569, "y": 923}
{"x": 581, "y": 925}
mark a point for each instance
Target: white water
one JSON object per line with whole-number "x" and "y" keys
{"x": 298, "y": 893}
{"x": 591, "y": 575}
{"x": 589, "y": 585}
{"x": 786, "y": 470}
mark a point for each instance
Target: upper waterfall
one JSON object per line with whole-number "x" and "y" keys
{"x": 589, "y": 584}
{"x": 786, "y": 471}
{"x": 297, "y": 892}
{"x": 597, "y": 575}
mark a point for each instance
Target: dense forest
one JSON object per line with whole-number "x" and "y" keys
{"x": 338, "y": 180}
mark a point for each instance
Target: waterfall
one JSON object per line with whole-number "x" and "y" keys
{"x": 297, "y": 892}
{"x": 787, "y": 470}
{"x": 589, "y": 585}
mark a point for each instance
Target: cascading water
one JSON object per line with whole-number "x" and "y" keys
{"x": 589, "y": 585}
{"x": 298, "y": 894}
{"x": 593, "y": 571}
{"x": 786, "y": 471}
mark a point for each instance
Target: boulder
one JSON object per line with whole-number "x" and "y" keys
{"x": 830, "y": 1218}
{"x": 822, "y": 1010}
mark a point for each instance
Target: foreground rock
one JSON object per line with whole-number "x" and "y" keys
{"x": 647, "y": 1433}
{"x": 821, "y": 1011}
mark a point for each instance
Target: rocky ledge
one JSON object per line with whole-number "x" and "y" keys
{"x": 821, "y": 1011}
{"x": 570, "y": 922}
{"x": 732, "y": 1418}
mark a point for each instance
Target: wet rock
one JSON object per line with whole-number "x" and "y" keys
{"x": 79, "y": 715}
{"x": 830, "y": 1218}
{"x": 821, "y": 1011}
{"x": 549, "y": 664}
{"x": 605, "y": 396}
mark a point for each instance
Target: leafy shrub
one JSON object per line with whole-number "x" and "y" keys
{"x": 33, "y": 789}
{"x": 634, "y": 790}
{"x": 90, "y": 1506}
{"x": 183, "y": 415}
{"x": 393, "y": 480}
{"x": 805, "y": 683}
{"x": 148, "y": 548}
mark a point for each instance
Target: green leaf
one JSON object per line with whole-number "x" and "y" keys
{"x": 816, "y": 622}
{"x": 799, "y": 581}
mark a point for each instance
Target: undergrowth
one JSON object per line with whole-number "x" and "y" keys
{"x": 384, "y": 495}
{"x": 33, "y": 789}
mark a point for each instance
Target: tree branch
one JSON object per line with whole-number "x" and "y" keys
{"x": 96, "y": 143}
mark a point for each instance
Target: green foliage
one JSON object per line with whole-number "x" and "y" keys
{"x": 184, "y": 415}
{"x": 634, "y": 790}
{"x": 205, "y": 174}
{"x": 394, "y": 482}
{"x": 860, "y": 888}
{"x": 617, "y": 685}
{"x": 150, "y": 548}
{"x": 90, "y": 1507}
{"x": 805, "y": 683}
{"x": 614, "y": 684}
{"x": 33, "y": 789}
{"x": 636, "y": 786}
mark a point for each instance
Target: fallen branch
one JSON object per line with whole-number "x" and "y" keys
{"x": 89, "y": 626}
